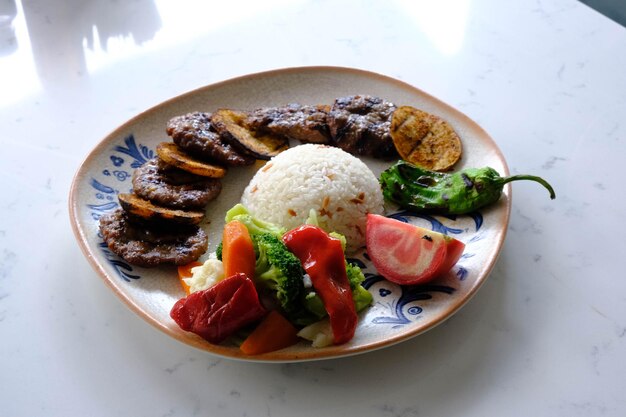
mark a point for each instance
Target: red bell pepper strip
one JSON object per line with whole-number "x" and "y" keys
{"x": 323, "y": 259}
{"x": 221, "y": 310}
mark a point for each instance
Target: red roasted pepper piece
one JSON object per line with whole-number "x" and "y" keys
{"x": 323, "y": 259}
{"x": 219, "y": 311}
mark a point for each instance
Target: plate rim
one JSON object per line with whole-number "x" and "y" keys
{"x": 227, "y": 352}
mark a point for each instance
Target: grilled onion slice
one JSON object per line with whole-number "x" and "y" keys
{"x": 231, "y": 126}
{"x": 424, "y": 139}
{"x": 144, "y": 209}
{"x": 172, "y": 155}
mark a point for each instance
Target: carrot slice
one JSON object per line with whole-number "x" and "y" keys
{"x": 184, "y": 271}
{"x": 237, "y": 250}
{"x": 273, "y": 333}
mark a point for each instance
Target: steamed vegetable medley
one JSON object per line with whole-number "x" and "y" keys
{"x": 272, "y": 287}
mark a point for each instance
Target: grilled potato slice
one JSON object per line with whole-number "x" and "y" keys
{"x": 172, "y": 155}
{"x": 144, "y": 209}
{"x": 232, "y": 127}
{"x": 424, "y": 139}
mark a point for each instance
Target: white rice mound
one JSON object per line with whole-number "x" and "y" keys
{"x": 339, "y": 187}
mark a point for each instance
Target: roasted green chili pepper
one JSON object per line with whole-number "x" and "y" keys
{"x": 460, "y": 192}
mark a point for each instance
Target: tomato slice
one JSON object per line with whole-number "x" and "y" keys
{"x": 454, "y": 249}
{"x": 408, "y": 254}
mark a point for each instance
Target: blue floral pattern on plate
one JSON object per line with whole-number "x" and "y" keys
{"x": 134, "y": 155}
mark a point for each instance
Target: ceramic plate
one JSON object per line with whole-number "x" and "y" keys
{"x": 398, "y": 313}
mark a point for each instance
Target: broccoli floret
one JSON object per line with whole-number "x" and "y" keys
{"x": 355, "y": 275}
{"x": 218, "y": 251}
{"x": 314, "y": 305}
{"x": 361, "y": 297}
{"x": 277, "y": 270}
{"x": 255, "y": 226}
{"x": 280, "y": 271}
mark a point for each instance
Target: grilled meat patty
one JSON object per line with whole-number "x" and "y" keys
{"x": 307, "y": 124}
{"x": 360, "y": 125}
{"x": 194, "y": 134}
{"x": 171, "y": 187}
{"x": 151, "y": 244}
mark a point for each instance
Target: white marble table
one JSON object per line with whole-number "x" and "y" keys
{"x": 546, "y": 334}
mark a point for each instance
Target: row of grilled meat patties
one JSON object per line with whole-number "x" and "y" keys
{"x": 158, "y": 222}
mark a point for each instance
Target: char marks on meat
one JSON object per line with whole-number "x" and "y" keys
{"x": 360, "y": 125}
{"x": 194, "y": 134}
{"x": 171, "y": 187}
{"x": 151, "y": 244}
{"x": 307, "y": 124}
